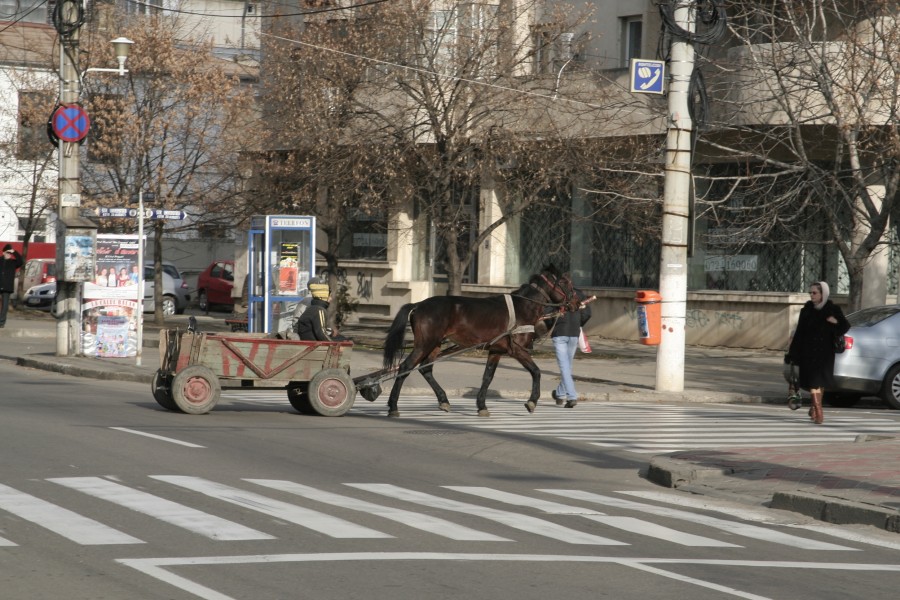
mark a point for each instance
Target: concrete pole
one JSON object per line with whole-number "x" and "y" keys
{"x": 68, "y": 301}
{"x": 676, "y": 210}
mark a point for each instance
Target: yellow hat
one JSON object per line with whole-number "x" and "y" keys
{"x": 319, "y": 290}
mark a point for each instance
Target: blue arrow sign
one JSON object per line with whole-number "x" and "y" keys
{"x": 647, "y": 76}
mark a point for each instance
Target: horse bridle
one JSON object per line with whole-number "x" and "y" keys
{"x": 555, "y": 286}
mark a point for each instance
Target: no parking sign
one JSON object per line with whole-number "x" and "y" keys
{"x": 70, "y": 122}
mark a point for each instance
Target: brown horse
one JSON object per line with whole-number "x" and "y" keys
{"x": 504, "y": 324}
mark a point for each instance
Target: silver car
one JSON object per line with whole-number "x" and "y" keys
{"x": 870, "y": 364}
{"x": 175, "y": 290}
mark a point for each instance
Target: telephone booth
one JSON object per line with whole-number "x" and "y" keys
{"x": 281, "y": 252}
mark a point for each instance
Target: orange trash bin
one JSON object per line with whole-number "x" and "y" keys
{"x": 649, "y": 317}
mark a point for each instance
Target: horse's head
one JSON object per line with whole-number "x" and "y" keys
{"x": 559, "y": 288}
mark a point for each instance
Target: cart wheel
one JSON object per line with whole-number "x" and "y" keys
{"x": 196, "y": 389}
{"x": 331, "y": 392}
{"x": 298, "y": 396}
{"x": 162, "y": 391}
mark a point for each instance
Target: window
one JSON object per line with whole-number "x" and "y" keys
{"x": 552, "y": 50}
{"x": 35, "y": 107}
{"x": 480, "y": 31}
{"x": 23, "y": 11}
{"x": 440, "y": 38}
{"x": 632, "y": 33}
{"x": 147, "y": 7}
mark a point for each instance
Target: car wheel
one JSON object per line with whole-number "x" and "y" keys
{"x": 890, "y": 389}
{"x": 202, "y": 301}
{"x": 841, "y": 400}
{"x": 168, "y": 306}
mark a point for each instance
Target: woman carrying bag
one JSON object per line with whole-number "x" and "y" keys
{"x": 812, "y": 346}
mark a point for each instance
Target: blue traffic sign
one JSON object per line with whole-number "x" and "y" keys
{"x": 647, "y": 76}
{"x": 70, "y": 123}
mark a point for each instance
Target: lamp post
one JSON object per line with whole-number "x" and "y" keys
{"x": 68, "y": 327}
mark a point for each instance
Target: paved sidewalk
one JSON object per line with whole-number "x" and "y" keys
{"x": 842, "y": 483}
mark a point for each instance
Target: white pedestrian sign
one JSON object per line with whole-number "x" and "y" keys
{"x": 647, "y": 76}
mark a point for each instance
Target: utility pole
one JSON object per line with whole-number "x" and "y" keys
{"x": 68, "y": 301}
{"x": 676, "y": 208}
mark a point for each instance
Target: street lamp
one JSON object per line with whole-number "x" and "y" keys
{"x": 122, "y": 48}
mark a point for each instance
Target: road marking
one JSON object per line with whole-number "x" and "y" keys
{"x": 156, "y": 567}
{"x": 421, "y": 521}
{"x": 767, "y": 515}
{"x": 165, "y": 510}
{"x": 311, "y": 519}
{"x": 61, "y": 521}
{"x": 158, "y": 437}
{"x": 629, "y": 524}
{"x": 510, "y": 519}
{"x": 734, "y": 527}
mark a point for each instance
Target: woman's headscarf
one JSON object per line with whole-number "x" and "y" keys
{"x": 824, "y": 287}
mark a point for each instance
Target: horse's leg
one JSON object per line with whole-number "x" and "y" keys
{"x": 489, "y": 369}
{"x": 443, "y": 402}
{"x": 524, "y": 357}
{"x": 415, "y": 357}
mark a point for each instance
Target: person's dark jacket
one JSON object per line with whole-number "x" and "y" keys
{"x": 812, "y": 347}
{"x": 570, "y": 323}
{"x": 311, "y": 324}
{"x": 8, "y": 268}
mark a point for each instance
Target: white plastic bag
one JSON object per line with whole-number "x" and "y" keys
{"x": 583, "y": 343}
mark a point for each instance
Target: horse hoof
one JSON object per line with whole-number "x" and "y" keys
{"x": 444, "y": 406}
{"x": 530, "y": 406}
{"x": 393, "y": 413}
{"x": 484, "y": 412}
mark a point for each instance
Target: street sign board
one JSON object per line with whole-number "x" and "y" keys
{"x": 648, "y": 76}
{"x": 70, "y": 122}
{"x": 172, "y": 215}
{"x": 149, "y": 213}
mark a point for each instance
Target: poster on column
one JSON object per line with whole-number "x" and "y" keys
{"x": 109, "y": 311}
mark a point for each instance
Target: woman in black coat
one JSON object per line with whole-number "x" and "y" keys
{"x": 812, "y": 346}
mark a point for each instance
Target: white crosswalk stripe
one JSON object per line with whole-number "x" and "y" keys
{"x": 514, "y": 520}
{"x": 171, "y": 512}
{"x": 416, "y": 520}
{"x": 645, "y": 428}
{"x": 62, "y": 521}
{"x": 312, "y": 519}
{"x": 574, "y": 516}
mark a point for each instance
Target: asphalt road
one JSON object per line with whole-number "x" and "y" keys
{"x": 105, "y": 495}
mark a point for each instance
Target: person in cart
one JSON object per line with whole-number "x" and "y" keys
{"x": 311, "y": 325}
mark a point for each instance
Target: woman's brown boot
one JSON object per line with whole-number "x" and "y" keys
{"x": 817, "y": 416}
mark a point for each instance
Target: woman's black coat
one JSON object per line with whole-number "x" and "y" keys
{"x": 812, "y": 347}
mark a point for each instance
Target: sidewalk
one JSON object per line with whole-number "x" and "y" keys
{"x": 841, "y": 483}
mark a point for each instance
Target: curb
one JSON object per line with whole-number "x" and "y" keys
{"x": 60, "y": 366}
{"x": 837, "y": 510}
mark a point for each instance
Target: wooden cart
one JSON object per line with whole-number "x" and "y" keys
{"x": 196, "y": 366}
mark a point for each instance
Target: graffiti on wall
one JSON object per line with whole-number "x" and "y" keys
{"x": 695, "y": 318}
{"x": 364, "y": 281}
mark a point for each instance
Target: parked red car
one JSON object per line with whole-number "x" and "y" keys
{"x": 214, "y": 285}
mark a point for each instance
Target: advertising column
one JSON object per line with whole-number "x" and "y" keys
{"x": 112, "y": 300}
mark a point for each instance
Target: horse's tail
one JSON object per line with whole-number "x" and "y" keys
{"x": 393, "y": 343}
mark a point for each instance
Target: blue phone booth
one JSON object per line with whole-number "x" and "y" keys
{"x": 281, "y": 251}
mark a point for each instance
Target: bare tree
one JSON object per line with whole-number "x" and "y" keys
{"x": 806, "y": 109}
{"x": 172, "y": 128}
{"x": 421, "y": 100}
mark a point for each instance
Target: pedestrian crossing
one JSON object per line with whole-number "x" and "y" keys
{"x": 635, "y": 427}
{"x": 647, "y": 428}
{"x": 581, "y": 518}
